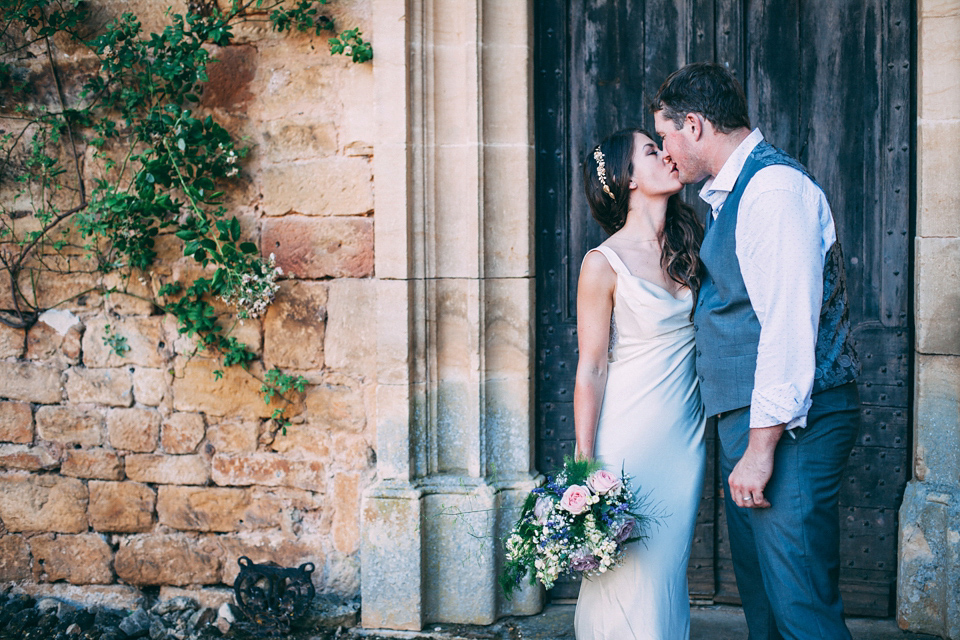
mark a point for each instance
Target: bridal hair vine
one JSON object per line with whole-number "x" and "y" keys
{"x": 602, "y": 172}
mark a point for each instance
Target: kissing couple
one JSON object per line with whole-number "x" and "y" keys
{"x": 746, "y": 321}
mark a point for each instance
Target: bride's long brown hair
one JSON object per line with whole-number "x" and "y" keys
{"x": 682, "y": 232}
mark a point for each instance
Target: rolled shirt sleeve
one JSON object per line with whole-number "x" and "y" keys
{"x": 784, "y": 230}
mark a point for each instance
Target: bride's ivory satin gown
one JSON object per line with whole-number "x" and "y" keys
{"x": 651, "y": 424}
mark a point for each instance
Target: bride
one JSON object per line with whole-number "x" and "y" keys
{"x": 637, "y": 400}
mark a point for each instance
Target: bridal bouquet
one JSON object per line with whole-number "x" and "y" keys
{"x": 579, "y": 521}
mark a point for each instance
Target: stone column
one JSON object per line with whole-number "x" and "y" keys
{"x": 454, "y": 267}
{"x": 929, "y": 572}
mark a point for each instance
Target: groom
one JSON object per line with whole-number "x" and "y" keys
{"x": 774, "y": 354}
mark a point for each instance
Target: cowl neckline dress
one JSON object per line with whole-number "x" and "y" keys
{"x": 651, "y": 426}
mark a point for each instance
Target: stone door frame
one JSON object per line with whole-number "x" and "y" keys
{"x": 453, "y": 170}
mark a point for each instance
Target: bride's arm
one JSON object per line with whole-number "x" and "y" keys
{"x": 595, "y": 292}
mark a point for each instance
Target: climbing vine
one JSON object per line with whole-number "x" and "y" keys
{"x": 162, "y": 164}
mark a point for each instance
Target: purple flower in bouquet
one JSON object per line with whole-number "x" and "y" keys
{"x": 625, "y": 529}
{"x": 583, "y": 561}
{"x": 542, "y": 509}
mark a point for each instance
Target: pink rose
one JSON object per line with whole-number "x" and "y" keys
{"x": 603, "y": 482}
{"x": 575, "y": 499}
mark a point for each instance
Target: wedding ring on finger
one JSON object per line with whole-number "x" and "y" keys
{"x": 748, "y": 499}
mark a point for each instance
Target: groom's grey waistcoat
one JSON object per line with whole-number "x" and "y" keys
{"x": 727, "y": 328}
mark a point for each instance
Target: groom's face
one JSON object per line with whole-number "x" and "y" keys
{"x": 678, "y": 145}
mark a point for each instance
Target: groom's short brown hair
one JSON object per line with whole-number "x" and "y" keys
{"x": 705, "y": 88}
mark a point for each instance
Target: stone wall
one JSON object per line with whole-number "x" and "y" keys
{"x": 929, "y": 572}
{"x": 144, "y": 469}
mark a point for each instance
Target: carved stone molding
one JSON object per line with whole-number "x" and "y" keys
{"x": 454, "y": 220}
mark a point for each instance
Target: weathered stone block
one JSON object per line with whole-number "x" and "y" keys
{"x": 391, "y": 578}
{"x": 113, "y": 596}
{"x": 320, "y": 247}
{"x": 119, "y": 303}
{"x": 14, "y": 558}
{"x": 43, "y": 503}
{"x": 160, "y": 469}
{"x": 208, "y": 598}
{"x": 234, "y": 436}
{"x": 230, "y": 76}
{"x": 937, "y": 441}
{"x": 69, "y": 291}
{"x": 290, "y": 139}
{"x": 936, "y": 8}
{"x": 216, "y": 509}
{"x": 134, "y": 429}
{"x": 152, "y": 17}
{"x": 294, "y": 325}
{"x": 350, "y": 343}
{"x": 939, "y": 81}
{"x": 268, "y": 469}
{"x": 79, "y": 559}
{"x": 337, "y": 403}
{"x": 508, "y": 334}
{"x": 182, "y": 432}
{"x": 329, "y": 186}
{"x": 111, "y": 387}
{"x": 99, "y": 464}
{"x": 48, "y": 344}
{"x": 237, "y": 393}
{"x": 928, "y": 600}
{"x": 285, "y": 550}
{"x": 122, "y": 507}
{"x": 938, "y": 163}
{"x": 70, "y": 426}
{"x": 938, "y": 295}
{"x": 145, "y": 338}
{"x": 507, "y": 227}
{"x": 305, "y": 439}
{"x": 11, "y": 342}
{"x": 30, "y": 382}
{"x": 16, "y": 422}
{"x": 346, "y": 518}
{"x": 29, "y": 457}
{"x": 168, "y": 560}
{"x": 150, "y": 386}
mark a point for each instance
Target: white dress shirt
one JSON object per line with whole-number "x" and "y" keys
{"x": 784, "y": 230}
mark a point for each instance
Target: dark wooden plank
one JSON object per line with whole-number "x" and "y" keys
{"x": 875, "y": 477}
{"x": 883, "y": 427}
{"x": 873, "y": 529}
{"x": 895, "y": 100}
{"x": 772, "y": 63}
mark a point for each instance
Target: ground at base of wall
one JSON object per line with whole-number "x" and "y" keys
{"x": 23, "y": 617}
{"x": 556, "y": 623}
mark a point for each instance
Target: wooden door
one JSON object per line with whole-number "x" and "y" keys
{"x": 830, "y": 81}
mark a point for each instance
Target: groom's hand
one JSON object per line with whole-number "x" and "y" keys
{"x": 752, "y": 473}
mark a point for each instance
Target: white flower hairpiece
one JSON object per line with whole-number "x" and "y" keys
{"x": 602, "y": 172}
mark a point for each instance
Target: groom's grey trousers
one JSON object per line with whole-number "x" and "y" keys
{"x": 786, "y": 557}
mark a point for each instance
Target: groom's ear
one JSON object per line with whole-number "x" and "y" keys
{"x": 694, "y": 124}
